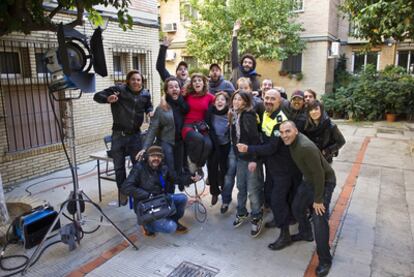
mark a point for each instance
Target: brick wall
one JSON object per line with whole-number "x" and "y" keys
{"x": 92, "y": 120}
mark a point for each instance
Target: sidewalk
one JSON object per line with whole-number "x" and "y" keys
{"x": 374, "y": 229}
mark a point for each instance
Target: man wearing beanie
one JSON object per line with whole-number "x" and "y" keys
{"x": 217, "y": 83}
{"x": 150, "y": 177}
{"x": 182, "y": 68}
{"x": 246, "y": 67}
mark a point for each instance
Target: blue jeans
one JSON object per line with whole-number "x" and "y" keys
{"x": 122, "y": 146}
{"x": 230, "y": 176}
{"x": 169, "y": 224}
{"x": 249, "y": 184}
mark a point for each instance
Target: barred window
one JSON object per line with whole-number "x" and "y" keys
{"x": 293, "y": 64}
{"x": 10, "y": 63}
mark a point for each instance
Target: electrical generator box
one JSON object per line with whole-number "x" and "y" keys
{"x": 33, "y": 226}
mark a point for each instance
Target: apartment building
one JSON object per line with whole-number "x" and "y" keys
{"x": 29, "y": 134}
{"x": 327, "y": 34}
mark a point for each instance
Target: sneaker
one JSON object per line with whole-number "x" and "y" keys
{"x": 240, "y": 219}
{"x": 181, "y": 229}
{"x": 224, "y": 208}
{"x": 123, "y": 199}
{"x": 257, "y": 226}
{"x": 147, "y": 233}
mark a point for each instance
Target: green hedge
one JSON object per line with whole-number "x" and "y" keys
{"x": 372, "y": 94}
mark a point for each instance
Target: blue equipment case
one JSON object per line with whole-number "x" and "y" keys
{"x": 33, "y": 226}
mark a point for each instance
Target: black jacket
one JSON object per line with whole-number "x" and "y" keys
{"x": 249, "y": 134}
{"x": 128, "y": 111}
{"x": 273, "y": 150}
{"x": 326, "y": 136}
{"x": 162, "y": 70}
{"x": 143, "y": 181}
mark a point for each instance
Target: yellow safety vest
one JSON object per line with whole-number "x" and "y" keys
{"x": 268, "y": 123}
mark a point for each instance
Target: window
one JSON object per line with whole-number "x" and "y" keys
{"x": 360, "y": 60}
{"x": 298, "y": 6}
{"x": 405, "y": 59}
{"x": 10, "y": 63}
{"x": 28, "y": 113}
{"x": 40, "y": 64}
{"x": 293, "y": 64}
{"x": 117, "y": 64}
{"x": 139, "y": 63}
{"x": 187, "y": 12}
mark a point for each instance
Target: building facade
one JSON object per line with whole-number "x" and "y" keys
{"x": 29, "y": 134}
{"x": 328, "y": 34}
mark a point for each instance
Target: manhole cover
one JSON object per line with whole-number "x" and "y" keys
{"x": 187, "y": 269}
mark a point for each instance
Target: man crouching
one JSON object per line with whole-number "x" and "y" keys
{"x": 150, "y": 178}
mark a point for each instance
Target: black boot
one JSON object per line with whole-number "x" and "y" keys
{"x": 283, "y": 240}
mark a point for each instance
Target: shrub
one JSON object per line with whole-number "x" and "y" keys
{"x": 372, "y": 93}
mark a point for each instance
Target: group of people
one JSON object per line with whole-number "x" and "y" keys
{"x": 278, "y": 152}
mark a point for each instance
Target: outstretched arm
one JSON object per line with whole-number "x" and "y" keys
{"x": 234, "y": 46}
{"x": 160, "y": 66}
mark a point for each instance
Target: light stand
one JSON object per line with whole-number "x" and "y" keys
{"x": 79, "y": 196}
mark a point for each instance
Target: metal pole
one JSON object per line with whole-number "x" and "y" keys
{"x": 72, "y": 145}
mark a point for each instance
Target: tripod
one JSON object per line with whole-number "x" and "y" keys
{"x": 79, "y": 197}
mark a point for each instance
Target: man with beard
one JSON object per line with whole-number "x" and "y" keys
{"x": 246, "y": 67}
{"x": 149, "y": 178}
{"x": 315, "y": 189}
{"x": 128, "y": 102}
{"x": 281, "y": 172}
{"x": 181, "y": 71}
{"x": 217, "y": 82}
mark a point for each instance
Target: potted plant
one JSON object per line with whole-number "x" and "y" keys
{"x": 283, "y": 73}
{"x": 395, "y": 102}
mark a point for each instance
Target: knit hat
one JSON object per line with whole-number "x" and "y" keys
{"x": 180, "y": 64}
{"x": 155, "y": 150}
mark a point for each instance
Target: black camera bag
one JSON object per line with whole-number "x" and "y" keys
{"x": 154, "y": 208}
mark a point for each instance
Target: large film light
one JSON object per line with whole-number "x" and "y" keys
{"x": 71, "y": 62}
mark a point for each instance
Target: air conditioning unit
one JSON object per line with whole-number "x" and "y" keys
{"x": 334, "y": 50}
{"x": 169, "y": 28}
{"x": 170, "y": 55}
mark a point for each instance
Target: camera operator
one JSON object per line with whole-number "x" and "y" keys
{"x": 149, "y": 178}
{"x": 128, "y": 102}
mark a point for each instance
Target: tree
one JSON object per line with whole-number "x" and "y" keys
{"x": 378, "y": 20}
{"x": 32, "y": 15}
{"x": 268, "y": 30}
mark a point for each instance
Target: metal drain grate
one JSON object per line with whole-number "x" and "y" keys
{"x": 187, "y": 269}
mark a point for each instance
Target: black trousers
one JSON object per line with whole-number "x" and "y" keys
{"x": 122, "y": 146}
{"x": 198, "y": 147}
{"x": 303, "y": 199}
{"x": 282, "y": 186}
{"x": 217, "y": 168}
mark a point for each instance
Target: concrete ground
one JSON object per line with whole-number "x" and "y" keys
{"x": 372, "y": 223}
